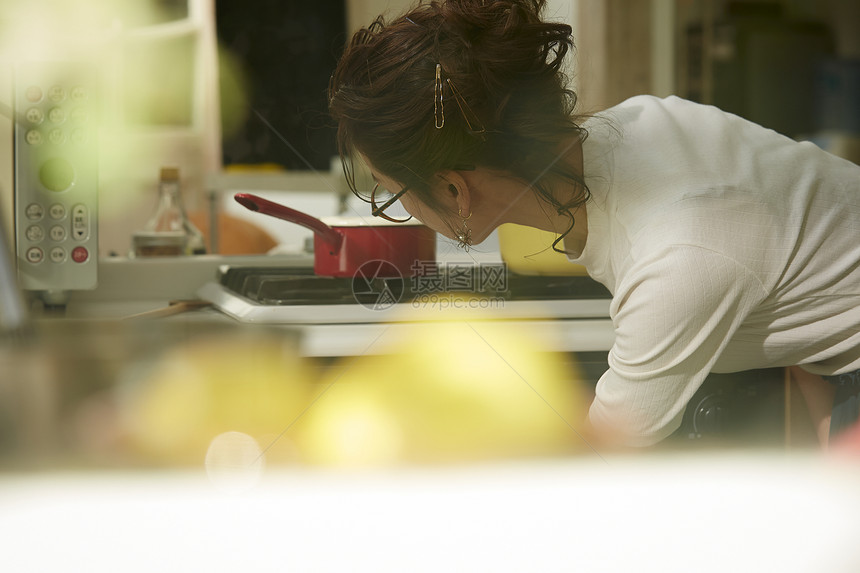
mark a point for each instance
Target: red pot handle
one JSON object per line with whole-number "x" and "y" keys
{"x": 260, "y": 205}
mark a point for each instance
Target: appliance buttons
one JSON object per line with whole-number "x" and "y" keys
{"x": 79, "y": 93}
{"x": 56, "y": 137}
{"x": 58, "y": 255}
{"x": 57, "y": 174}
{"x": 80, "y": 223}
{"x": 56, "y": 94}
{"x": 34, "y": 115}
{"x": 34, "y": 212}
{"x": 35, "y": 255}
{"x": 57, "y": 233}
{"x": 80, "y": 254}
{"x": 57, "y": 115}
{"x": 34, "y": 94}
{"x": 35, "y": 233}
{"x": 57, "y": 211}
{"x": 34, "y": 137}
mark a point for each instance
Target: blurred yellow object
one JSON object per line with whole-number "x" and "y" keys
{"x": 528, "y": 251}
{"x": 255, "y": 385}
{"x": 234, "y": 462}
{"x": 454, "y": 391}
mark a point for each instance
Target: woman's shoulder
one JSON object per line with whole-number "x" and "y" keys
{"x": 673, "y": 139}
{"x": 649, "y": 112}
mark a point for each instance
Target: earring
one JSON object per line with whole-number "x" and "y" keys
{"x": 464, "y": 233}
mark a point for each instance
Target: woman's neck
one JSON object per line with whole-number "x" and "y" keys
{"x": 501, "y": 198}
{"x": 530, "y": 209}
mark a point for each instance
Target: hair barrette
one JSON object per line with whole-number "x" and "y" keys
{"x": 438, "y": 104}
{"x": 461, "y": 102}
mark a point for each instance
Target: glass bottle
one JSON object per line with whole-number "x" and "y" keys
{"x": 169, "y": 231}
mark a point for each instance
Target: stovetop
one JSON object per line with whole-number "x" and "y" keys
{"x": 296, "y": 295}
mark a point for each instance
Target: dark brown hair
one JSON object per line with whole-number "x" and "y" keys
{"x": 501, "y": 74}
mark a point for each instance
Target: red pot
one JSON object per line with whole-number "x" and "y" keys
{"x": 341, "y": 248}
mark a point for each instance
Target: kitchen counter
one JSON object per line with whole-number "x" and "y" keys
{"x": 129, "y": 287}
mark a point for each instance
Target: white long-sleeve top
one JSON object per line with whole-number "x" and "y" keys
{"x": 726, "y": 246}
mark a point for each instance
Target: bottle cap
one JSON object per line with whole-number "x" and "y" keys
{"x": 170, "y": 174}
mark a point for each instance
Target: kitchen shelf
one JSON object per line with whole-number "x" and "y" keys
{"x": 305, "y": 181}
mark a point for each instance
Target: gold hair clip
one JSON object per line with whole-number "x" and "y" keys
{"x": 438, "y": 104}
{"x": 462, "y": 102}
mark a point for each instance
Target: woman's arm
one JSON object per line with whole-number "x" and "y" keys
{"x": 674, "y": 314}
{"x": 818, "y": 395}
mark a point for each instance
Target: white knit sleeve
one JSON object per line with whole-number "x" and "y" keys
{"x": 673, "y": 315}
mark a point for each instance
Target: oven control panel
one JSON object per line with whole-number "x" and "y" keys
{"x": 56, "y": 176}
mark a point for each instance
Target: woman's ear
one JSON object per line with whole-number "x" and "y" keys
{"x": 459, "y": 194}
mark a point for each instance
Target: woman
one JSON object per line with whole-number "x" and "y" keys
{"x": 726, "y": 246}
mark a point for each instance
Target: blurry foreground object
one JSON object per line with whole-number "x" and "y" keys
{"x": 234, "y": 462}
{"x": 255, "y": 385}
{"x": 761, "y": 513}
{"x": 457, "y": 391}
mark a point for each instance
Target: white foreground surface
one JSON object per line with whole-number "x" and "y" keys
{"x": 704, "y": 514}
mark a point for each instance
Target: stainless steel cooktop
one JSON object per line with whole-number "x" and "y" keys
{"x": 295, "y": 295}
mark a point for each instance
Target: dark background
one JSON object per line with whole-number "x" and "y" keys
{"x": 286, "y": 51}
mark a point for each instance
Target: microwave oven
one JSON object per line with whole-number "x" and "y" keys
{"x": 49, "y": 153}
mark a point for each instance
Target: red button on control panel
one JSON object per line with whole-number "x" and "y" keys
{"x": 80, "y": 254}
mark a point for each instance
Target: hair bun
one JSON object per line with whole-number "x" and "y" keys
{"x": 470, "y": 20}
